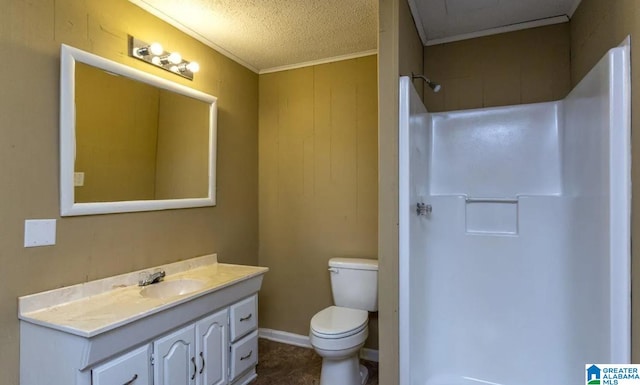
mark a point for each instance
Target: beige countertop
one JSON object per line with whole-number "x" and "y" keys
{"x": 95, "y": 307}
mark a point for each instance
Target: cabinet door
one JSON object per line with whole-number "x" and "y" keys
{"x": 212, "y": 335}
{"x": 129, "y": 369}
{"x": 175, "y": 361}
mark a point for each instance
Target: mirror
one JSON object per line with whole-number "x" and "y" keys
{"x": 131, "y": 141}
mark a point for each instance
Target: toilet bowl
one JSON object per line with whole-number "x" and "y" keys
{"x": 337, "y": 333}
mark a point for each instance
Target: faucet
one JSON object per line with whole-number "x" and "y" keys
{"x": 150, "y": 278}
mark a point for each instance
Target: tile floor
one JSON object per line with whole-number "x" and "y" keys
{"x": 282, "y": 364}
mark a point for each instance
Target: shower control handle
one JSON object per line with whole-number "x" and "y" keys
{"x": 423, "y": 208}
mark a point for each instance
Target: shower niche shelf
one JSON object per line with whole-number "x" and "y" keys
{"x": 491, "y": 216}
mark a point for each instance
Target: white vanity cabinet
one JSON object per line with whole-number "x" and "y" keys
{"x": 117, "y": 336}
{"x": 197, "y": 354}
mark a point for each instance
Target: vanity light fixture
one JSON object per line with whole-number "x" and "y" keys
{"x": 154, "y": 53}
{"x": 151, "y": 49}
{"x": 192, "y": 66}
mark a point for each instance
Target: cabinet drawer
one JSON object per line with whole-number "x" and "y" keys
{"x": 244, "y": 317}
{"x": 244, "y": 354}
{"x": 128, "y": 369}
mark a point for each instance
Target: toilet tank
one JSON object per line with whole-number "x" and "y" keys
{"x": 354, "y": 283}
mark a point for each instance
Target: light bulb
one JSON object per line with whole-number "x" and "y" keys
{"x": 153, "y": 49}
{"x": 175, "y": 58}
{"x": 174, "y": 69}
{"x": 156, "y": 60}
{"x": 156, "y": 48}
{"x": 193, "y": 67}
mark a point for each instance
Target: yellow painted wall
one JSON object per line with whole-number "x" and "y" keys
{"x": 528, "y": 66}
{"x": 92, "y": 247}
{"x": 410, "y": 50}
{"x": 597, "y": 26}
{"x": 317, "y": 184}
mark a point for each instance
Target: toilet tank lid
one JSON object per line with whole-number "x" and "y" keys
{"x": 354, "y": 263}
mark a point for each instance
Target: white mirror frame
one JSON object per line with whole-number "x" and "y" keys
{"x": 68, "y": 207}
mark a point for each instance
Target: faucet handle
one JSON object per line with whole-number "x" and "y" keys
{"x": 157, "y": 276}
{"x": 143, "y": 278}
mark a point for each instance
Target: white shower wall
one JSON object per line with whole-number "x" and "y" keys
{"x": 518, "y": 276}
{"x": 415, "y": 123}
{"x": 596, "y": 157}
{"x": 497, "y": 152}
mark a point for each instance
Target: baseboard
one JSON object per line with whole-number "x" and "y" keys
{"x": 303, "y": 341}
{"x": 284, "y": 337}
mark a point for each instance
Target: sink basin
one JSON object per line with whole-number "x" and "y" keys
{"x": 168, "y": 289}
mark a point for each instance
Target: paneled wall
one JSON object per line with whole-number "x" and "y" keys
{"x": 597, "y": 26}
{"x": 410, "y": 49}
{"x": 317, "y": 182}
{"x": 93, "y": 247}
{"x": 527, "y": 66}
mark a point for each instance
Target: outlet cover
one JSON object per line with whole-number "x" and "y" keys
{"x": 39, "y": 232}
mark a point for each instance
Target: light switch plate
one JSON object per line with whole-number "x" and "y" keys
{"x": 39, "y": 232}
{"x": 78, "y": 179}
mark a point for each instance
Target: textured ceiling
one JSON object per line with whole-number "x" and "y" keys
{"x": 267, "y": 34}
{"x": 439, "y": 20}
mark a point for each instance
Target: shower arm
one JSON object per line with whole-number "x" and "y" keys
{"x": 418, "y": 76}
{"x": 433, "y": 85}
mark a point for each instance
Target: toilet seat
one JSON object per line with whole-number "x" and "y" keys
{"x": 337, "y": 322}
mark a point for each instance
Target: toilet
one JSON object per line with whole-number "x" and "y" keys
{"x": 338, "y": 332}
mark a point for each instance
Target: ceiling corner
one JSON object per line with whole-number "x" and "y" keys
{"x": 417, "y": 21}
{"x": 574, "y": 8}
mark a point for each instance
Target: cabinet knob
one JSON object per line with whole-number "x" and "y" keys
{"x": 246, "y": 318}
{"x": 135, "y": 377}
{"x": 247, "y": 356}
{"x": 202, "y": 358}
{"x": 195, "y": 368}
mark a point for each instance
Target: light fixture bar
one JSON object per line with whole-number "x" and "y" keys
{"x": 154, "y": 54}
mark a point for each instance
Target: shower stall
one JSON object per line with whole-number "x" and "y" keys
{"x": 515, "y": 236}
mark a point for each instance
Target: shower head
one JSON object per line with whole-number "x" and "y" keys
{"x": 433, "y": 85}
